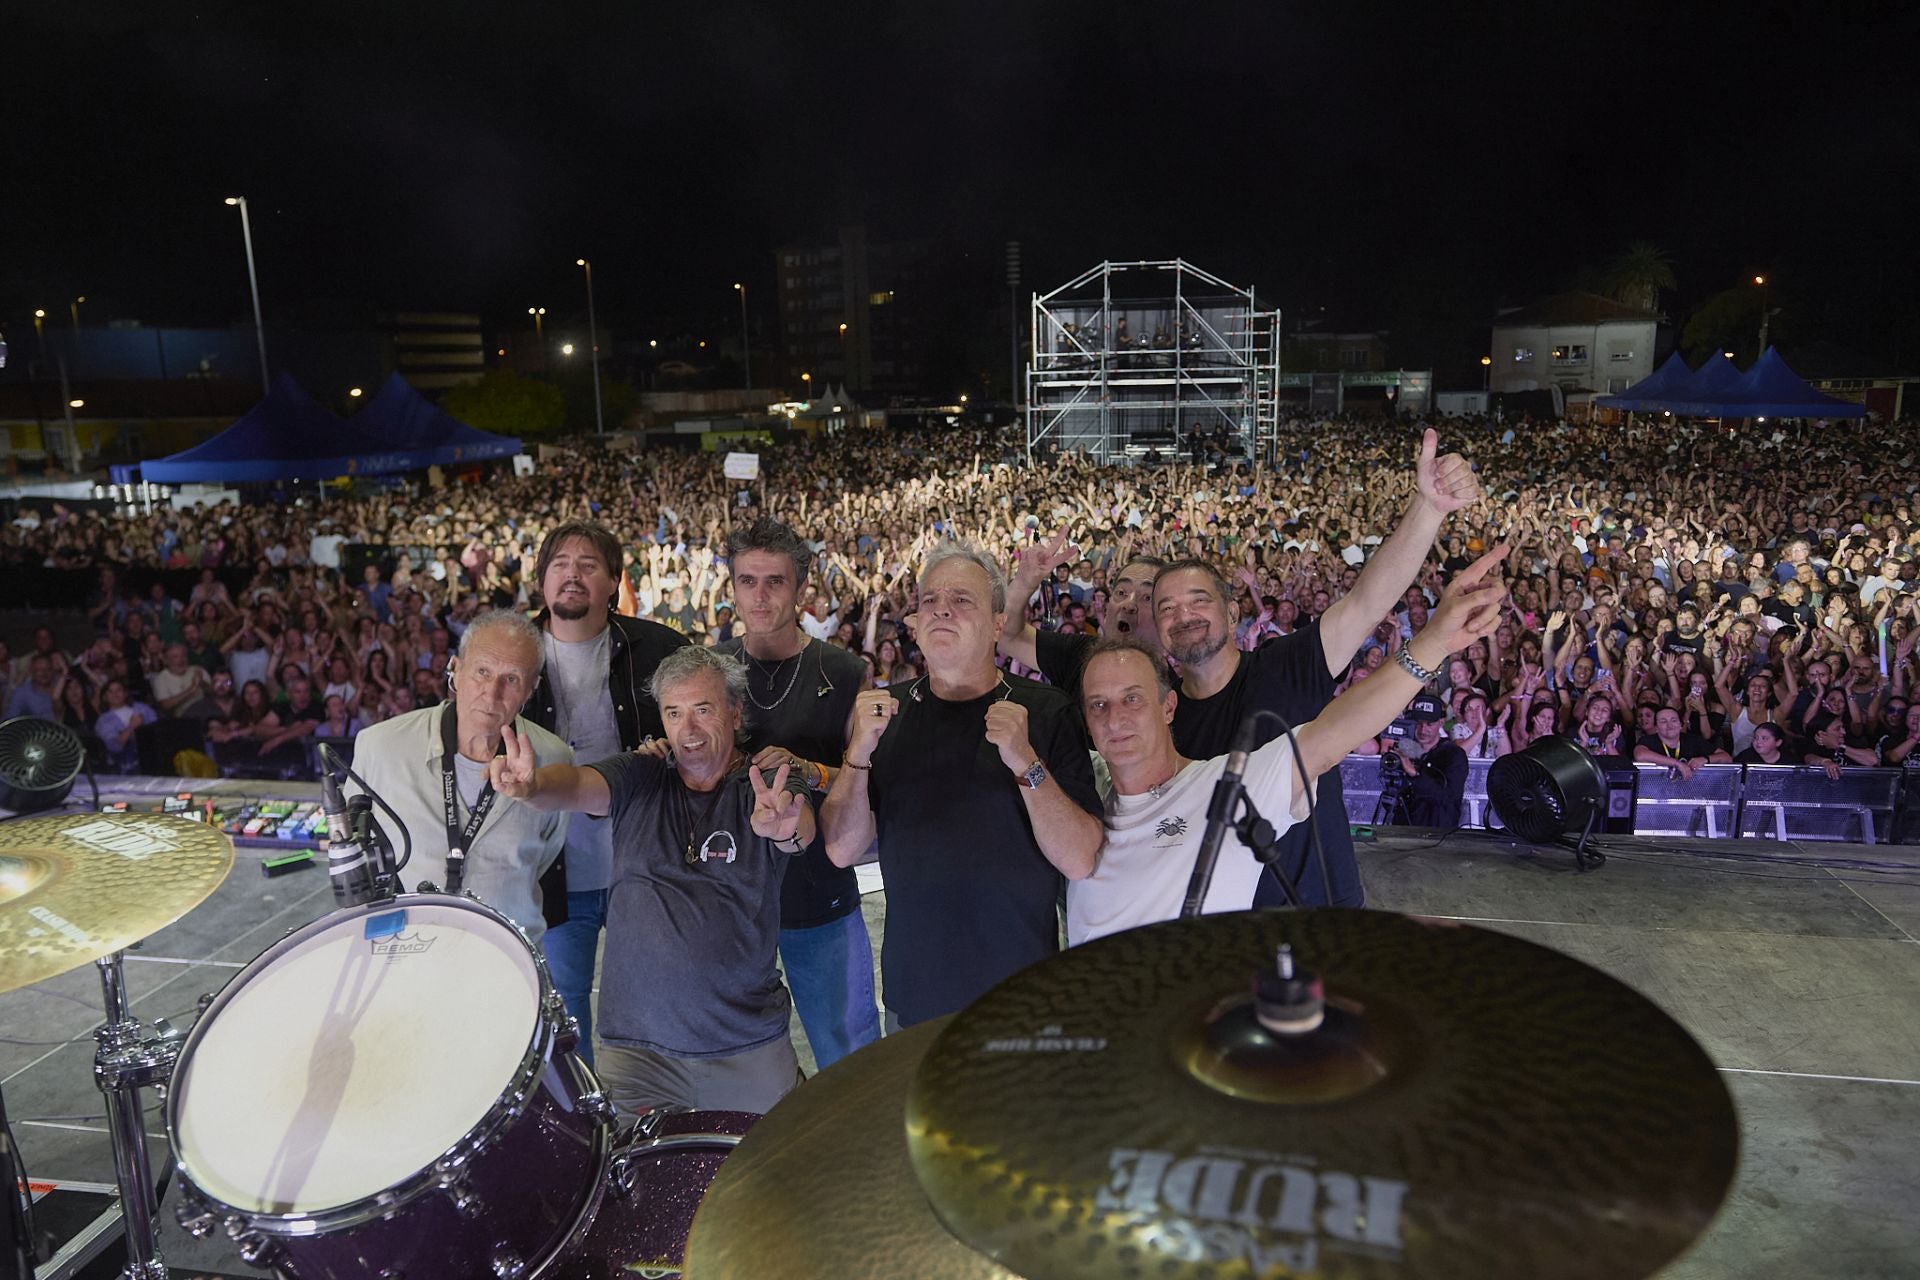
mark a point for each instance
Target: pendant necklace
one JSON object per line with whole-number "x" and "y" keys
{"x": 799, "y": 661}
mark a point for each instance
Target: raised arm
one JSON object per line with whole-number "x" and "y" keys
{"x": 1442, "y": 486}
{"x": 566, "y": 788}
{"x": 846, "y": 815}
{"x": 1469, "y": 609}
{"x": 1017, "y": 637}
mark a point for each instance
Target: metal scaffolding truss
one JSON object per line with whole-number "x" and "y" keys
{"x": 1128, "y": 356}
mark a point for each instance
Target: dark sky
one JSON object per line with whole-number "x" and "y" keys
{"x": 1410, "y": 171}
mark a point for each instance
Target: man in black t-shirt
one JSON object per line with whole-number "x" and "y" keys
{"x": 1437, "y": 778}
{"x": 1295, "y": 674}
{"x": 800, "y": 693}
{"x": 979, "y": 788}
{"x": 1673, "y": 745}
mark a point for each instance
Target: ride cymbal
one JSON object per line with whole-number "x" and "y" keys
{"x": 1473, "y": 1105}
{"x": 75, "y": 887}
{"x": 821, "y": 1186}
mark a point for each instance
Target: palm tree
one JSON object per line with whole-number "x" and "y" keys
{"x": 1638, "y": 273}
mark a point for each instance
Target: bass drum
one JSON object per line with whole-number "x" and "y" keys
{"x": 661, "y": 1171}
{"x": 391, "y": 1092}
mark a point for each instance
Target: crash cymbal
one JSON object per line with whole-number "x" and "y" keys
{"x": 78, "y": 886}
{"x": 821, "y": 1187}
{"x": 1472, "y": 1105}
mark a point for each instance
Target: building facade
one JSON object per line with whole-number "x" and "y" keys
{"x": 1575, "y": 342}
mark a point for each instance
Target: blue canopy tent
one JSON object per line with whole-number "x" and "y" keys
{"x": 289, "y": 437}
{"x": 408, "y": 425}
{"x": 1654, "y": 390}
{"x": 1772, "y": 390}
{"x": 284, "y": 437}
{"x": 1717, "y": 389}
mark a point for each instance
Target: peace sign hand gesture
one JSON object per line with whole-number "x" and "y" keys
{"x": 776, "y": 810}
{"x": 512, "y": 774}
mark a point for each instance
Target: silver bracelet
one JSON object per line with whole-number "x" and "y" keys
{"x": 1405, "y": 659}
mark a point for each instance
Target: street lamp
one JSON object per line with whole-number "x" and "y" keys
{"x": 1486, "y": 373}
{"x": 746, "y": 341}
{"x": 74, "y": 308}
{"x": 76, "y": 404}
{"x": 806, "y": 383}
{"x": 355, "y": 392}
{"x": 539, "y": 315}
{"x": 566, "y": 348}
{"x": 1765, "y": 315}
{"x": 40, "y": 329}
{"x": 253, "y": 282}
{"x": 593, "y": 347}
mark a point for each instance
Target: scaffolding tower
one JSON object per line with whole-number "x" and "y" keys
{"x": 1129, "y": 356}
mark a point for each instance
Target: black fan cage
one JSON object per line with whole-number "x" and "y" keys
{"x": 39, "y": 761}
{"x": 1542, "y": 792}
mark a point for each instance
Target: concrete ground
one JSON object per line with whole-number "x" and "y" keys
{"x": 1801, "y": 981}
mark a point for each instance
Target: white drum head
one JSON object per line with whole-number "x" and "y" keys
{"x": 345, "y": 1064}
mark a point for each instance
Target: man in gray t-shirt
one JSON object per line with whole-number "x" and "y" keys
{"x": 692, "y": 1010}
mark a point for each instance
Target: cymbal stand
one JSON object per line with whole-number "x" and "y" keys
{"x": 126, "y": 1061}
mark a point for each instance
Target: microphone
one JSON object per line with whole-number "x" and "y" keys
{"x": 1220, "y": 815}
{"x": 347, "y": 865}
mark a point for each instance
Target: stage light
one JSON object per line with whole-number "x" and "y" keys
{"x": 1553, "y": 787}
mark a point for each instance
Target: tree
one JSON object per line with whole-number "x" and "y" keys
{"x": 509, "y": 404}
{"x": 1637, "y": 274}
{"x": 1727, "y": 321}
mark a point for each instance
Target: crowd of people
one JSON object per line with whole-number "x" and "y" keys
{"x": 1759, "y": 586}
{"x": 694, "y": 704}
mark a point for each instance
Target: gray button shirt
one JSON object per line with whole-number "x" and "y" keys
{"x": 400, "y": 759}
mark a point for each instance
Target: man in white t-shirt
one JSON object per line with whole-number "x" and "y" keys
{"x": 1156, "y": 799}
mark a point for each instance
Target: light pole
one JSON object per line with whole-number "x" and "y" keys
{"x": 253, "y": 282}
{"x": 539, "y": 315}
{"x": 746, "y": 342}
{"x": 1765, "y": 315}
{"x": 74, "y": 309}
{"x": 593, "y": 345}
{"x": 40, "y": 329}
{"x": 1486, "y": 373}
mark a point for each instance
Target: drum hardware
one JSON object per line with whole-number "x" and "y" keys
{"x": 507, "y": 1265}
{"x": 125, "y": 1061}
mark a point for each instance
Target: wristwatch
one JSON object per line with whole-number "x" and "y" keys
{"x": 1035, "y": 775}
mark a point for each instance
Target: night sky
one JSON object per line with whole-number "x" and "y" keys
{"x": 1409, "y": 173}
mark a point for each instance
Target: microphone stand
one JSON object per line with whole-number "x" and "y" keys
{"x": 1258, "y": 835}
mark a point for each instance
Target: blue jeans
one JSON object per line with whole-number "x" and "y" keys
{"x": 830, "y": 972}
{"x": 571, "y": 949}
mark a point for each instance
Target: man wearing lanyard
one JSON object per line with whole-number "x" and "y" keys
{"x": 593, "y": 694}
{"x": 431, "y": 767}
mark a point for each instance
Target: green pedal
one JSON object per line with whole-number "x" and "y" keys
{"x": 285, "y": 863}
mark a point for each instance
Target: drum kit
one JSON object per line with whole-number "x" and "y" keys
{"x": 392, "y": 1092}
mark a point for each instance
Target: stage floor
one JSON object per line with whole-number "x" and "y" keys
{"x": 1802, "y": 982}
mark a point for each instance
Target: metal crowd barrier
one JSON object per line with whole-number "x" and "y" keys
{"x": 1769, "y": 802}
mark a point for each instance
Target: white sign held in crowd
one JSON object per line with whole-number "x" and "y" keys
{"x": 741, "y": 466}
